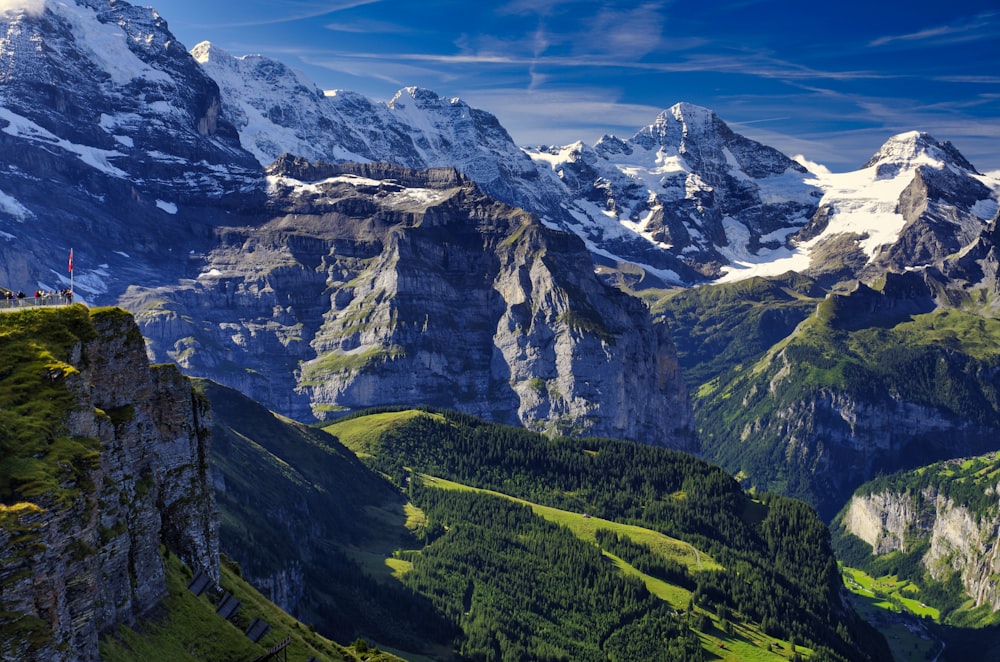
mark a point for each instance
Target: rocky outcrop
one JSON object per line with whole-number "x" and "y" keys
{"x": 377, "y": 285}
{"x": 85, "y": 557}
{"x": 881, "y": 520}
{"x": 957, "y": 540}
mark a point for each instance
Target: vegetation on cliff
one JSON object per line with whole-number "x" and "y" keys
{"x": 930, "y": 492}
{"x": 38, "y": 457}
{"x": 718, "y": 327}
{"x": 311, "y": 527}
{"x": 869, "y": 382}
{"x": 187, "y": 628}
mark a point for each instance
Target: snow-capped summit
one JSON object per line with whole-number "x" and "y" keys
{"x": 277, "y": 110}
{"x": 113, "y": 96}
{"x": 683, "y": 196}
{"x": 913, "y": 204}
{"x": 908, "y": 150}
{"x": 674, "y": 126}
{"x": 449, "y": 132}
{"x": 109, "y": 129}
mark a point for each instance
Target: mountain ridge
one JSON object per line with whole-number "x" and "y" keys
{"x": 175, "y": 208}
{"x": 374, "y": 285}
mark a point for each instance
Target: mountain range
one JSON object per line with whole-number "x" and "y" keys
{"x": 163, "y": 169}
{"x": 323, "y": 253}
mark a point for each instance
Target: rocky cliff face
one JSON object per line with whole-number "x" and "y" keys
{"x": 959, "y": 541}
{"x": 379, "y": 285}
{"x": 85, "y": 557}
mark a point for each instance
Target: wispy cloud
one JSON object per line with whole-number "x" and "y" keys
{"x": 981, "y": 26}
{"x": 309, "y": 11}
{"x": 33, "y": 7}
{"x": 744, "y": 63}
{"x": 369, "y": 27}
{"x": 395, "y": 74}
{"x": 629, "y": 33}
{"x": 769, "y": 119}
{"x": 562, "y": 117}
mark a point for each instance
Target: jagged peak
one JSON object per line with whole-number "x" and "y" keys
{"x": 422, "y": 98}
{"x": 609, "y": 145}
{"x": 680, "y": 122}
{"x": 914, "y": 148}
{"x": 692, "y": 116}
{"x": 205, "y": 51}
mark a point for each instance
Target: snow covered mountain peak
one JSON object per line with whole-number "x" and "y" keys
{"x": 422, "y": 98}
{"x": 206, "y": 50}
{"x": 908, "y": 150}
{"x": 695, "y": 119}
{"x": 683, "y": 197}
{"x": 673, "y": 127}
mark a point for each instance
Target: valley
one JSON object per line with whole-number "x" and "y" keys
{"x": 411, "y": 390}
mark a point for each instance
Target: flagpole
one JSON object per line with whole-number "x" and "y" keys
{"x": 71, "y": 291}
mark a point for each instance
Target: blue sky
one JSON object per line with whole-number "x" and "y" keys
{"x": 829, "y": 80}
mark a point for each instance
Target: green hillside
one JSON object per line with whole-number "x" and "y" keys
{"x": 43, "y": 354}
{"x": 37, "y": 456}
{"x": 304, "y": 517}
{"x": 187, "y": 628}
{"x": 898, "y": 588}
{"x": 969, "y": 484}
{"x": 522, "y": 584}
{"x": 793, "y": 418}
{"x": 717, "y": 327}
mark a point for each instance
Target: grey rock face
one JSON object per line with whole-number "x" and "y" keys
{"x": 92, "y": 562}
{"x": 959, "y": 541}
{"x": 377, "y": 285}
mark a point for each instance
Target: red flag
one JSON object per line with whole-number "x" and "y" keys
{"x": 71, "y": 260}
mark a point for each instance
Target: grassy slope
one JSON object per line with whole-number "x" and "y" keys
{"x": 186, "y": 627}
{"x": 288, "y": 482}
{"x": 746, "y": 643}
{"x": 717, "y": 327}
{"x": 361, "y": 434}
{"x": 37, "y": 457}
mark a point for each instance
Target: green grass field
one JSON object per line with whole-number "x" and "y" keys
{"x": 894, "y": 607}
{"x": 584, "y": 527}
{"x": 889, "y": 593}
{"x": 357, "y": 433}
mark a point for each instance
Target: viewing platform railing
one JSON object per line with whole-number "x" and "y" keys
{"x": 16, "y": 303}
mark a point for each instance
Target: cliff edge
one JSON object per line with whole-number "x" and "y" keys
{"x": 103, "y": 458}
